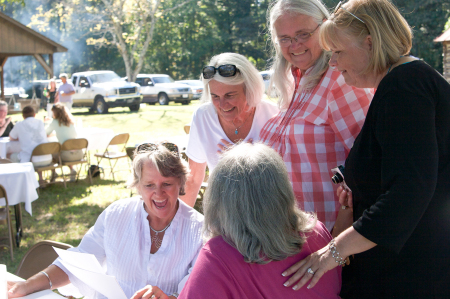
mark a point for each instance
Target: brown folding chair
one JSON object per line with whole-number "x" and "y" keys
{"x": 187, "y": 129}
{"x": 4, "y": 161}
{"x": 5, "y": 218}
{"x": 49, "y": 148}
{"x": 118, "y": 140}
{"x": 39, "y": 257}
{"x": 77, "y": 144}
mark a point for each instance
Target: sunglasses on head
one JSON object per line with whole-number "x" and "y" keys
{"x": 226, "y": 70}
{"x": 339, "y": 6}
{"x": 150, "y": 147}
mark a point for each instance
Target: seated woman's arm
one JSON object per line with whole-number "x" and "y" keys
{"x": 38, "y": 282}
{"x": 194, "y": 182}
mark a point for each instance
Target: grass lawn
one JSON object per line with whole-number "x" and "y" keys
{"x": 65, "y": 215}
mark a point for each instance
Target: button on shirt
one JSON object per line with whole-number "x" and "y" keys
{"x": 314, "y": 135}
{"x": 65, "y": 88}
{"x": 121, "y": 242}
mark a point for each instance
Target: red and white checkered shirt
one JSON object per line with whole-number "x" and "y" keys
{"x": 314, "y": 135}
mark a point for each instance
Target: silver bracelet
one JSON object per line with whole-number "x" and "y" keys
{"x": 49, "y": 281}
{"x": 175, "y": 295}
{"x": 337, "y": 257}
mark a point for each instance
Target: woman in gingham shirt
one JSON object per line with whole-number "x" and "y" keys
{"x": 320, "y": 115}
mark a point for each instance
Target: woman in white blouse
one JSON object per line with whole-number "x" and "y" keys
{"x": 149, "y": 243}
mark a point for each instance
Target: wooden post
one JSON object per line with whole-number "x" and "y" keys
{"x": 2, "y": 79}
{"x": 50, "y": 62}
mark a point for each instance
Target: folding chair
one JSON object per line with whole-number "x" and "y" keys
{"x": 5, "y": 218}
{"x": 39, "y": 257}
{"x": 77, "y": 144}
{"x": 187, "y": 129}
{"x": 49, "y": 148}
{"x": 3, "y": 161}
{"x": 119, "y": 139}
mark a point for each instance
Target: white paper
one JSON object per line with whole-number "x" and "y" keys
{"x": 86, "y": 268}
{"x": 3, "y": 288}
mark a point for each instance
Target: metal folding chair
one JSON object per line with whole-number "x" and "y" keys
{"x": 120, "y": 140}
{"x": 78, "y": 144}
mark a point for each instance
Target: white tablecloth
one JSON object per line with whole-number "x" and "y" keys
{"x": 47, "y": 294}
{"x": 7, "y": 147}
{"x": 20, "y": 183}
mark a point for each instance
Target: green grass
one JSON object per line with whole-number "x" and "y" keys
{"x": 65, "y": 215}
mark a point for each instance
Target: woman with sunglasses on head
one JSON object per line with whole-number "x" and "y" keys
{"x": 399, "y": 167}
{"x": 233, "y": 111}
{"x": 320, "y": 114}
{"x": 148, "y": 243}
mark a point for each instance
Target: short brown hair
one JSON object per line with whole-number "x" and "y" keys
{"x": 28, "y": 111}
{"x": 390, "y": 33}
{"x": 167, "y": 163}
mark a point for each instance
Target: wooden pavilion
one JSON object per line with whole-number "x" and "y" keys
{"x": 444, "y": 38}
{"x": 19, "y": 40}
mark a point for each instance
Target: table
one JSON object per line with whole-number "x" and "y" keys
{"x": 47, "y": 294}
{"x": 20, "y": 183}
{"x": 7, "y": 147}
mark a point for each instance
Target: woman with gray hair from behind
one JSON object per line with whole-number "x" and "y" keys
{"x": 321, "y": 115}
{"x": 233, "y": 111}
{"x": 255, "y": 230}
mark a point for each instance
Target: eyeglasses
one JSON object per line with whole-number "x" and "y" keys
{"x": 150, "y": 147}
{"x": 226, "y": 70}
{"x": 301, "y": 37}
{"x": 340, "y": 6}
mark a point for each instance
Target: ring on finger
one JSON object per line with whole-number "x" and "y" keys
{"x": 153, "y": 296}
{"x": 344, "y": 207}
{"x": 310, "y": 271}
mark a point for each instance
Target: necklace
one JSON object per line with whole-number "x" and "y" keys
{"x": 156, "y": 239}
{"x": 237, "y": 128}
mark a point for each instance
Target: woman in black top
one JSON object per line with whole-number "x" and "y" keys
{"x": 398, "y": 169}
{"x": 6, "y": 124}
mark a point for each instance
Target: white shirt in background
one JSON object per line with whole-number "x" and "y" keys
{"x": 30, "y": 133}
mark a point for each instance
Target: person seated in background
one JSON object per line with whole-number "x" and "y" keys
{"x": 63, "y": 125}
{"x": 255, "y": 231}
{"x": 149, "y": 243}
{"x": 30, "y": 133}
{"x": 6, "y": 124}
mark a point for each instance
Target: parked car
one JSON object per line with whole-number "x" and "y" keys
{"x": 196, "y": 86}
{"x": 163, "y": 89}
{"x": 101, "y": 90}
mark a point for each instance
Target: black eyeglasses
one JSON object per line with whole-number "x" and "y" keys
{"x": 340, "y": 6}
{"x": 150, "y": 147}
{"x": 226, "y": 70}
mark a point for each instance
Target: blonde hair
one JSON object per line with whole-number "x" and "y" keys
{"x": 390, "y": 33}
{"x": 247, "y": 75}
{"x": 282, "y": 79}
{"x": 251, "y": 204}
{"x": 62, "y": 115}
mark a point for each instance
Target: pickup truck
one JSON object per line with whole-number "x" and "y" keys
{"x": 163, "y": 89}
{"x": 100, "y": 90}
